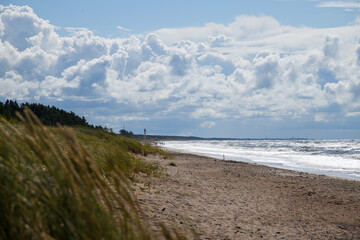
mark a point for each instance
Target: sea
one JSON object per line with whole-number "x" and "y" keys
{"x": 337, "y": 158}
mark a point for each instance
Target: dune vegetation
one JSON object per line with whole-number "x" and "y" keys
{"x": 70, "y": 183}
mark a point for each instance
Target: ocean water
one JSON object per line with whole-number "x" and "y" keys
{"x": 340, "y": 158}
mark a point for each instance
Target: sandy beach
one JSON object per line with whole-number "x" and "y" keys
{"x": 233, "y": 200}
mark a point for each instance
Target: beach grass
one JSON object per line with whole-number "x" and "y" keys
{"x": 124, "y": 152}
{"x": 70, "y": 183}
{"x": 172, "y": 164}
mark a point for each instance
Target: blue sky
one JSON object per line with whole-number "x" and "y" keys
{"x": 206, "y": 68}
{"x": 102, "y": 17}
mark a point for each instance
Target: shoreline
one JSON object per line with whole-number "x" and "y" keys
{"x": 235, "y": 200}
{"x": 325, "y": 173}
{"x": 296, "y": 172}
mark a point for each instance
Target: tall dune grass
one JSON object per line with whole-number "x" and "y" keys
{"x": 51, "y": 187}
{"x": 107, "y": 147}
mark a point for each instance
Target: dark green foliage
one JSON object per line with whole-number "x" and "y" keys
{"x": 50, "y": 116}
{"x": 126, "y": 133}
{"x": 172, "y": 164}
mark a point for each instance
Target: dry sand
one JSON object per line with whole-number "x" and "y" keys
{"x": 234, "y": 200}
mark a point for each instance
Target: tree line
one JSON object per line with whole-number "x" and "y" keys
{"x": 47, "y": 115}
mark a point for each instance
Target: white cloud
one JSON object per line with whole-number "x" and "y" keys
{"x": 180, "y": 63}
{"x": 320, "y": 118}
{"x": 133, "y": 118}
{"x": 266, "y": 69}
{"x": 251, "y": 67}
{"x": 123, "y": 29}
{"x": 340, "y": 4}
{"x": 243, "y": 27}
{"x": 331, "y": 47}
{"x": 220, "y": 41}
{"x": 29, "y": 28}
{"x": 207, "y": 124}
{"x": 13, "y": 86}
{"x": 353, "y": 114}
{"x": 74, "y": 30}
{"x": 215, "y": 59}
{"x": 207, "y": 112}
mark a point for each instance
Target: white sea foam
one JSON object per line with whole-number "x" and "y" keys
{"x": 330, "y": 157}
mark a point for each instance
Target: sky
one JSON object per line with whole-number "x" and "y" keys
{"x": 241, "y": 69}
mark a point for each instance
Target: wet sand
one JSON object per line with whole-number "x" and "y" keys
{"x": 234, "y": 200}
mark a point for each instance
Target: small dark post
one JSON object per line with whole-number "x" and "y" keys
{"x": 145, "y": 134}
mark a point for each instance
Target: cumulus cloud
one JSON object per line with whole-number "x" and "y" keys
{"x": 331, "y": 47}
{"x": 242, "y": 28}
{"x": 252, "y": 67}
{"x": 226, "y": 65}
{"x": 12, "y": 86}
{"x": 220, "y": 41}
{"x": 265, "y": 69}
{"x": 180, "y": 63}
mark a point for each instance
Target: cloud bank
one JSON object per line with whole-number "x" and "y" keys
{"x": 252, "y": 67}
{"x": 340, "y": 4}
